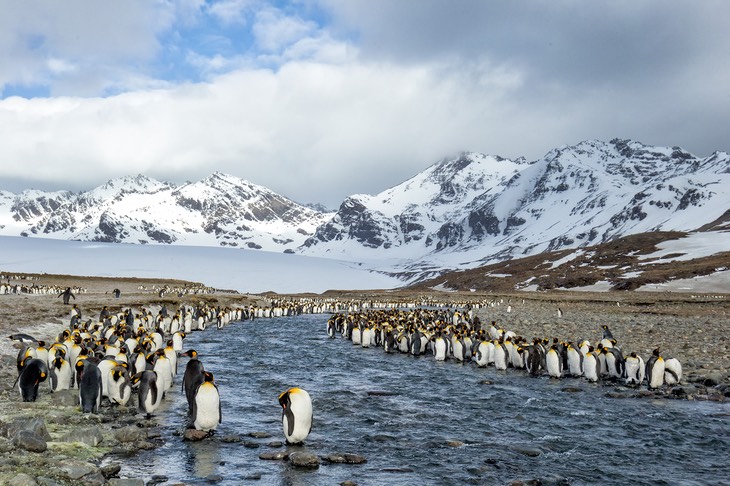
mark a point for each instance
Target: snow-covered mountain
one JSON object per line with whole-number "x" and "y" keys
{"x": 476, "y": 209}
{"x": 220, "y": 210}
{"x": 463, "y": 212}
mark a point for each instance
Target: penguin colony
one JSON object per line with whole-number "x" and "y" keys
{"x": 136, "y": 354}
{"x": 458, "y": 336}
{"x": 126, "y": 354}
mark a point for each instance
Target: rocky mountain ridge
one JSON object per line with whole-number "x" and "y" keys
{"x": 459, "y": 213}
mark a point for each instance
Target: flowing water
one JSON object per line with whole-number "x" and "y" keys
{"x": 418, "y": 421}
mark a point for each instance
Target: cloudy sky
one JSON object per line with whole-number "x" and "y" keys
{"x": 320, "y": 99}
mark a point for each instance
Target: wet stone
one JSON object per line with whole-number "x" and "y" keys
{"x": 157, "y": 479}
{"x": 275, "y": 443}
{"x": 486, "y": 382}
{"x": 348, "y": 483}
{"x": 194, "y": 435}
{"x": 259, "y": 435}
{"x": 454, "y": 443}
{"x": 230, "y": 439}
{"x": 214, "y": 478}
{"x": 304, "y": 460}
{"x": 397, "y": 469}
{"x": 274, "y": 456}
{"x": 126, "y": 482}
{"x": 355, "y": 459}
{"x": 527, "y": 451}
{"x": 570, "y": 389}
{"x": 249, "y": 444}
{"x": 111, "y": 470}
{"x": 144, "y": 445}
{"x": 253, "y": 476}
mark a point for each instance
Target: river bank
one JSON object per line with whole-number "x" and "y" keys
{"x": 693, "y": 329}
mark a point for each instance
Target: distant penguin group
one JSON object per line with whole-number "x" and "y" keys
{"x": 455, "y": 335}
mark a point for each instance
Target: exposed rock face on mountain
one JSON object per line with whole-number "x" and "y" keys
{"x": 481, "y": 208}
{"x": 458, "y": 213}
{"x": 218, "y": 210}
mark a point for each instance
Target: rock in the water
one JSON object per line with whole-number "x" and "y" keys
{"x": 28, "y": 441}
{"x": 90, "y": 435}
{"x": 130, "y": 433}
{"x": 273, "y": 456}
{"x": 355, "y": 459}
{"x": 195, "y": 435}
{"x": 126, "y": 482}
{"x": 111, "y": 470}
{"x": 22, "y": 479}
{"x": 304, "y": 459}
{"x": 230, "y": 439}
{"x": 527, "y": 451}
{"x": 275, "y": 443}
{"x": 249, "y": 444}
{"x": 259, "y": 435}
{"x": 454, "y": 443}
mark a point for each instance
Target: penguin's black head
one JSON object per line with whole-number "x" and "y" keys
{"x": 284, "y": 400}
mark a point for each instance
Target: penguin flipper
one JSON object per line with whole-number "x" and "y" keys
{"x": 289, "y": 421}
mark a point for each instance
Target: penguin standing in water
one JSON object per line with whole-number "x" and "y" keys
{"x": 655, "y": 370}
{"x": 34, "y": 372}
{"x": 193, "y": 377}
{"x": 90, "y": 386}
{"x": 149, "y": 397}
{"x": 296, "y": 415}
{"x": 206, "y": 414}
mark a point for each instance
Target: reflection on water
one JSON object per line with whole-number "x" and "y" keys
{"x": 422, "y": 422}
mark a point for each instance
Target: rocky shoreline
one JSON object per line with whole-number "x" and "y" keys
{"x": 65, "y": 447}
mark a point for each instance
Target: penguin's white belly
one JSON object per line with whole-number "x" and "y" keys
{"x": 440, "y": 350}
{"x": 302, "y": 422}
{"x": 207, "y": 405}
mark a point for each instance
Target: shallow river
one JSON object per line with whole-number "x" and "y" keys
{"x": 420, "y": 422}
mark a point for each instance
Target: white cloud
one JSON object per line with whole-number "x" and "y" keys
{"x": 275, "y": 30}
{"x": 231, "y": 11}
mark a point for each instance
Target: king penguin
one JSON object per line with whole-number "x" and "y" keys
{"x": 634, "y": 369}
{"x": 296, "y": 415}
{"x": 90, "y": 386}
{"x": 655, "y": 370}
{"x": 206, "y": 413}
{"x": 61, "y": 374}
{"x": 149, "y": 397}
{"x": 672, "y": 371}
{"x": 34, "y": 372}
{"x": 193, "y": 377}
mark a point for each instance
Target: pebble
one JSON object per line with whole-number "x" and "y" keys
{"x": 275, "y": 443}
{"x": 249, "y": 444}
{"x": 527, "y": 451}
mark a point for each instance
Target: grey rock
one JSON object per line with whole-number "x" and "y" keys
{"x": 44, "y": 481}
{"x": 527, "y": 451}
{"x": 259, "y": 435}
{"x": 111, "y": 470}
{"x": 126, "y": 482}
{"x": 30, "y": 442}
{"x": 254, "y": 476}
{"x": 88, "y": 435}
{"x": 304, "y": 459}
{"x": 22, "y": 479}
{"x": 275, "y": 443}
{"x": 454, "y": 443}
{"x": 75, "y": 470}
{"x": 144, "y": 445}
{"x": 214, "y": 478}
{"x": 230, "y": 439}
{"x": 249, "y": 444}
{"x": 274, "y": 456}
{"x": 355, "y": 459}
{"x": 195, "y": 435}
{"x": 130, "y": 433}
{"x": 65, "y": 398}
